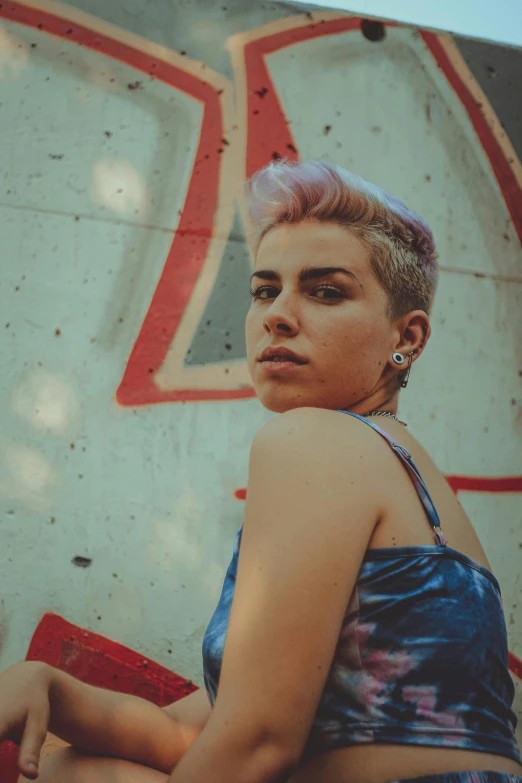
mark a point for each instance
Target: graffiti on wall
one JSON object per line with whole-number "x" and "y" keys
{"x": 214, "y": 132}
{"x": 234, "y": 140}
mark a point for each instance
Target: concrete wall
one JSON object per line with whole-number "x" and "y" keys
{"x": 126, "y": 410}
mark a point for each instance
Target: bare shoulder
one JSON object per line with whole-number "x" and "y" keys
{"x": 320, "y": 452}
{"x": 320, "y": 428}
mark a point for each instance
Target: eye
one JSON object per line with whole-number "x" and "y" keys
{"x": 257, "y": 293}
{"x": 333, "y": 293}
{"x": 265, "y": 292}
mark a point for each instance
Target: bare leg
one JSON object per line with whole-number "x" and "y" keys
{"x": 52, "y": 743}
{"x": 68, "y": 765}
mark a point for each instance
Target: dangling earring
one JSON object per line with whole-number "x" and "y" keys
{"x": 404, "y": 380}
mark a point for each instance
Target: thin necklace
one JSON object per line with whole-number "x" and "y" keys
{"x": 385, "y": 413}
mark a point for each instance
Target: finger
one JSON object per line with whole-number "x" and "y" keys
{"x": 34, "y": 737}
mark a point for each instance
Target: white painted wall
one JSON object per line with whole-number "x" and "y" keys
{"x": 92, "y": 177}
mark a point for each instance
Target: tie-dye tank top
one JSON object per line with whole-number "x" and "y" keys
{"x": 422, "y": 655}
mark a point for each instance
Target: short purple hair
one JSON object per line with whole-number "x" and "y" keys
{"x": 400, "y": 244}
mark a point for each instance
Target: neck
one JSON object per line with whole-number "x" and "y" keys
{"x": 376, "y": 402}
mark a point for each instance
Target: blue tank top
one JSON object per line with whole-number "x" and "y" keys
{"x": 422, "y": 655}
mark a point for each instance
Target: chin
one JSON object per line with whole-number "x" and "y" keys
{"x": 277, "y": 400}
{"x": 280, "y": 399}
{"x": 279, "y": 406}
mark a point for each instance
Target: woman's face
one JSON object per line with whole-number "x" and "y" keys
{"x": 335, "y": 321}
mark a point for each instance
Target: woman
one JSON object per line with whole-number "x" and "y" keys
{"x": 360, "y": 647}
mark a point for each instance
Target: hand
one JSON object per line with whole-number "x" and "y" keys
{"x": 25, "y": 711}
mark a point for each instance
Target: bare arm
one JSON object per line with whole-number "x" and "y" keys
{"x": 309, "y": 517}
{"x": 190, "y": 714}
{"x": 106, "y": 723}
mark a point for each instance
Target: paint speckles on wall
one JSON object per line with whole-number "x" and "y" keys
{"x": 127, "y": 409}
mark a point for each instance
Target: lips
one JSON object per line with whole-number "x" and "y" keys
{"x": 281, "y": 354}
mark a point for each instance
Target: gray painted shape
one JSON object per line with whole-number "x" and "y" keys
{"x": 223, "y": 321}
{"x": 198, "y": 28}
{"x": 498, "y": 70}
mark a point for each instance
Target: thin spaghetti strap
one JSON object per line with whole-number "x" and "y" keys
{"x": 418, "y": 482}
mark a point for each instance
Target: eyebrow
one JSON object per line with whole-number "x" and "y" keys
{"x": 307, "y": 273}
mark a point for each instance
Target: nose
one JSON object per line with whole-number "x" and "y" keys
{"x": 280, "y": 317}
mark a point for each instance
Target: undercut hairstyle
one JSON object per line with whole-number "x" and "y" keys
{"x": 400, "y": 244}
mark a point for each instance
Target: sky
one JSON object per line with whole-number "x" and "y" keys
{"x": 499, "y": 21}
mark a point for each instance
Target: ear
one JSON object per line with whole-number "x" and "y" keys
{"x": 414, "y": 330}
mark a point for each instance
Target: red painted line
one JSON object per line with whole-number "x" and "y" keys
{"x": 189, "y": 248}
{"x": 316, "y": 29}
{"x": 109, "y": 47}
{"x": 134, "y": 391}
{"x": 515, "y": 665}
{"x": 459, "y": 484}
{"x": 268, "y": 132}
{"x": 509, "y": 186}
{"x": 485, "y": 483}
